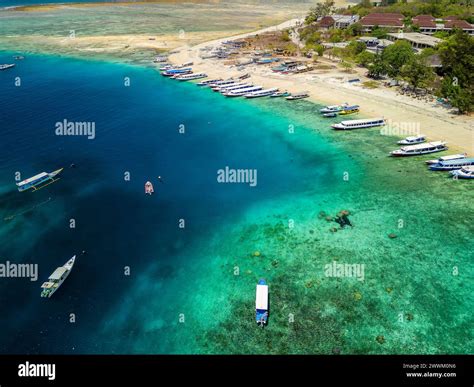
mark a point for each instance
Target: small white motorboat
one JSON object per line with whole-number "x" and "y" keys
{"x": 466, "y": 172}
{"x": 149, "y": 188}
{"x": 412, "y": 140}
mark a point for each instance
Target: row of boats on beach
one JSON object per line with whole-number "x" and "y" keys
{"x": 459, "y": 166}
{"x": 231, "y": 87}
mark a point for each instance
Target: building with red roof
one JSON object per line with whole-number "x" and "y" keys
{"x": 429, "y": 25}
{"x": 326, "y": 22}
{"x": 392, "y": 21}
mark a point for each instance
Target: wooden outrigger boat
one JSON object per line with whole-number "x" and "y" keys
{"x": 39, "y": 181}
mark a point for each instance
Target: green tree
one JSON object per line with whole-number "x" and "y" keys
{"x": 417, "y": 73}
{"x": 319, "y": 48}
{"x": 377, "y": 68}
{"x": 354, "y": 48}
{"x": 346, "y": 65}
{"x": 285, "y": 36}
{"x": 320, "y": 10}
{"x": 457, "y": 59}
{"x": 365, "y": 58}
{"x": 314, "y": 38}
{"x": 354, "y": 29}
{"x": 396, "y": 55}
{"x": 379, "y": 32}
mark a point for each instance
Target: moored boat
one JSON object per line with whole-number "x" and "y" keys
{"x": 280, "y": 94}
{"x": 57, "y": 278}
{"x": 451, "y": 165}
{"x": 222, "y": 83}
{"x": 6, "y": 66}
{"x": 296, "y": 96}
{"x": 446, "y": 158}
{"x": 420, "y": 149}
{"x": 267, "y": 60}
{"x": 165, "y": 66}
{"x": 237, "y": 86}
{"x": 172, "y": 72}
{"x": 349, "y": 110}
{"x": 160, "y": 59}
{"x": 334, "y": 108}
{"x": 262, "y": 93}
{"x": 227, "y": 85}
{"x": 359, "y": 124}
{"x": 208, "y": 82}
{"x": 279, "y": 68}
{"x": 190, "y": 77}
{"x": 463, "y": 173}
{"x": 244, "y": 76}
{"x": 330, "y": 115}
{"x": 412, "y": 140}
{"x": 38, "y": 181}
{"x": 242, "y": 92}
{"x": 261, "y": 303}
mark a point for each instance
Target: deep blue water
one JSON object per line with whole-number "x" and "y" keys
{"x": 118, "y": 226}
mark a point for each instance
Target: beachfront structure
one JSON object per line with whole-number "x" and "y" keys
{"x": 337, "y": 21}
{"x": 429, "y": 24}
{"x": 375, "y": 45}
{"x": 369, "y": 41}
{"x": 344, "y": 21}
{"x": 391, "y": 21}
{"x": 416, "y": 39}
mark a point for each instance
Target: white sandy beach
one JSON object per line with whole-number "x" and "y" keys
{"x": 331, "y": 87}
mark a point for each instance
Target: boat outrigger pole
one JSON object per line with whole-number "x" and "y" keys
{"x": 52, "y": 180}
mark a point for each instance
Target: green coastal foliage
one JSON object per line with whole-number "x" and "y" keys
{"x": 417, "y": 73}
{"x": 397, "y": 55}
{"x": 320, "y": 10}
{"x": 457, "y": 58}
{"x": 464, "y": 9}
{"x": 454, "y": 81}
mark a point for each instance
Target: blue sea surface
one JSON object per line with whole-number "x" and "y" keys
{"x": 137, "y": 134}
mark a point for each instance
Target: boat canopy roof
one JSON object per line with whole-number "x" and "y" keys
{"x": 410, "y": 138}
{"x": 458, "y": 161}
{"x": 31, "y": 179}
{"x": 261, "y": 301}
{"x": 423, "y": 146}
{"x": 452, "y": 157}
{"x": 58, "y": 273}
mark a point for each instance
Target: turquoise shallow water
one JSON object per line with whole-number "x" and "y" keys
{"x": 192, "y": 290}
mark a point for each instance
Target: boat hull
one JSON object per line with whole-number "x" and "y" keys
{"x": 50, "y": 290}
{"x": 355, "y": 128}
{"x": 458, "y": 174}
{"x": 42, "y": 181}
{"x": 394, "y": 154}
{"x": 261, "y": 303}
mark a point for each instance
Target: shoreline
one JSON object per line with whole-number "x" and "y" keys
{"x": 400, "y": 111}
